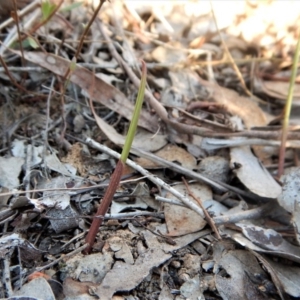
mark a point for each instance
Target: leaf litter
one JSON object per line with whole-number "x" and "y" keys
{"x": 212, "y": 115}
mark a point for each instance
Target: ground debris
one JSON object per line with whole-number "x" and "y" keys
{"x": 217, "y": 82}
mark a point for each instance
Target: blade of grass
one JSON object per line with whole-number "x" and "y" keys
{"x": 117, "y": 174}
{"x": 287, "y": 110}
{"x": 136, "y": 114}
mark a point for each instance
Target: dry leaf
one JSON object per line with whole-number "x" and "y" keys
{"x": 181, "y": 220}
{"x": 252, "y": 173}
{"x": 100, "y": 91}
{"x": 241, "y": 106}
{"x": 170, "y": 153}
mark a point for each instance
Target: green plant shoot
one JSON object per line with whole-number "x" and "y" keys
{"x": 117, "y": 174}
{"x": 135, "y": 117}
{"x": 287, "y": 109}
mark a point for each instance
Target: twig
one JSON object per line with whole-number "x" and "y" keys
{"x": 213, "y": 144}
{"x": 134, "y": 214}
{"x": 21, "y": 271}
{"x": 14, "y": 82}
{"x": 28, "y": 164}
{"x": 48, "y": 115}
{"x": 158, "y": 233}
{"x": 175, "y": 167}
{"x": 6, "y": 278}
{"x": 208, "y": 218}
{"x": 245, "y": 215}
{"x": 23, "y": 69}
{"x": 11, "y": 37}
{"x": 62, "y": 105}
{"x": 150, "y": 176}
{"x": 7, "y": 216}
{"x": 78, "y": 236}
{"x": 233, "y": 64}
{"x": 170, "y": 201}
{"x": 13, "y": 33}
{"x": 39, "y": 25}
{"x": 56, "y": 261}
{"x": 84, "y": 34}
{"x": 22, "y": 13}
{"x": 159, "y": 215}
{"x": 17, "y": 20}
{"x": 71, "y": 191}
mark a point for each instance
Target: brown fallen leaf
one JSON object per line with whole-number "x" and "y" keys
{"x": 74, "y": 288}
{"x": 244, "y": 107}
{"x": 99, "y": 91}
{"x": 181, "y": 220}
{"x": 277, "y": 89}
{"x": 238, "y": 105}
{"x": 171, "y": 153}
{"x": 143, "y": 139}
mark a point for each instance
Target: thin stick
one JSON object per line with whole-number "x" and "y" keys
{"x": 56, "y": 261}
{"x": 84, "y": 34}
{"x": 233, "y": 64}
{"x": 39, "y": 25}
{"x": 208, "y": 218}
{"x": 22, "y": 13}
{"x": 254, "y": 213}
{"x": 150, "y": 176}
{"x": 17, "y": 20}
{"x": 6, "y": 278}
{"x": 197, "y": 176}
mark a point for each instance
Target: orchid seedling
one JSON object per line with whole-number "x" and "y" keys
{"x": 117, "y": 174}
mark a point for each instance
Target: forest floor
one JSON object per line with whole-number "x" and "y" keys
{"x": 208, "y": 206}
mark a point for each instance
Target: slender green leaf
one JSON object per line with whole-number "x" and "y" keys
{"x": 136, "y": 114}
{"x": 287, "y": 109}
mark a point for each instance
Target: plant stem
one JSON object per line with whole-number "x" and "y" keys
{"x": 97, "y": 221}
{"x": 287, "y": 110}
{"x": 116, "y": 176}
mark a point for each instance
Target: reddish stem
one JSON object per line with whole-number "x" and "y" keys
{"x": 97, "y": 221}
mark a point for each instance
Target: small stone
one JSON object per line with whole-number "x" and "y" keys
{"x": 184, "y": 277}
{"x": 115, "y": 243}
{"x": 78, "y": 123}
{"x": 175, "y": 264}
